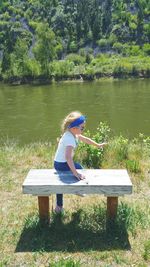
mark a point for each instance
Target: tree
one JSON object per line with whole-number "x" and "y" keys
{"x": 45, "y": 48}
{"x": 19, "y": 58}
{"x": 106, "y": 18}
{"x": 5, "y": 61}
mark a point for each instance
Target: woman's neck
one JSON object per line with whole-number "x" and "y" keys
{"x": 72, "y": 133}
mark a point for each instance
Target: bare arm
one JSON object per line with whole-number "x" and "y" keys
{"x": 89, "y": 141}
{"x": 68, "y": 154}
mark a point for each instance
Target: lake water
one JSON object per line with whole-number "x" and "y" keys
{"x": 34, "y": 113}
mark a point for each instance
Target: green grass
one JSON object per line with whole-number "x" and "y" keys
{"x": 146, "y": 254}
{"x": 83, "y": 230}
{"x": 79, "y": 237}
{"x": 65, "y": 263}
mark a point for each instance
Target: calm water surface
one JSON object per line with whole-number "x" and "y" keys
{"x": 34, "y": 113}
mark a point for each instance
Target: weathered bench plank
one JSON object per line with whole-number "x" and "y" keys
{"x": 98, "y": 181}
{"x": 111, "y": 183}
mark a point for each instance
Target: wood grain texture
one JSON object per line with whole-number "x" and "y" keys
{"x": 112, "y": 205}
{"x": 43, "y": 182}
{"x": 43, "y": 203}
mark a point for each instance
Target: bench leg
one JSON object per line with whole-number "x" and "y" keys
{"x": 112, "y": 204}
{"x": 43, "y": 203}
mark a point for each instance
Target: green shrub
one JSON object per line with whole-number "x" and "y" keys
{"x": 33, "y": 67}
{"x": 89, "y": 58}
{"x": 90, "y": 71}
{"x": 89, "y": 50}
{"x": 112, "y": 39}
{"x": 6, "y": 16}
{"x": 122, "y": 69}
{"x": 146, "y": 49}
{"x": 103, "y": 43}
{"x": 118, "y": 47}
{"x": 73, "y": 47}
{"x": 135, "y": 70}
{"x": 91, "y": 156}
{"x": 135, "y": 50}
{"x": 75, "y": 58}
{"x": 82, "y": 52}
{"x": 133, "y": 26}
{"x": 61, "y": 68}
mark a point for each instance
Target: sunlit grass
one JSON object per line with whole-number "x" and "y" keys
{"x": 79, "y": 237}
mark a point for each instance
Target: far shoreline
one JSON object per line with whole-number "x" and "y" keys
{"x": 16, "y": 81}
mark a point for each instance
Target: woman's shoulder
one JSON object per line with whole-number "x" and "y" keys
{"x": 68, "y": 134}
{"x": 68, "y": 138}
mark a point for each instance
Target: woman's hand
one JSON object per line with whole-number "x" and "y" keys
{"x": 102, "y": 145}
{"x": 80, "y": 176}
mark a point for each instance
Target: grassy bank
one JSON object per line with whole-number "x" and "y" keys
{"x": 77, "y": 67}
{"x": 79, "y": 237}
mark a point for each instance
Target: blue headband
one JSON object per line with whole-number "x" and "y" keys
{"x": 77, "y": 122}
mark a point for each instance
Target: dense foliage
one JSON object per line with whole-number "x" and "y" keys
{"x": 37, "y": 35}
{"x": 119, "y": 151}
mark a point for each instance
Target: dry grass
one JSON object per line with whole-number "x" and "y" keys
{"x": 79, "y": 237}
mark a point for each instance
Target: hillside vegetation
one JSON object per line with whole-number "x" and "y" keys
{"x": 48, "y": 39}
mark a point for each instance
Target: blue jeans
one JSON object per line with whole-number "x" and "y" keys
{"x": 63, "y": 166}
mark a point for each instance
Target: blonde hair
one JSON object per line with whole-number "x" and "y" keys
{"x": 69, "y": 119}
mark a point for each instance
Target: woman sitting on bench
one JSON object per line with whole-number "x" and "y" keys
{"x": 72, "y": 128}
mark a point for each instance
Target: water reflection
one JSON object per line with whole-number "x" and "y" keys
{"x": 30, "y": 114}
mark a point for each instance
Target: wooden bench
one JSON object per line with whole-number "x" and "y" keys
{"x": 44, "y": 182}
